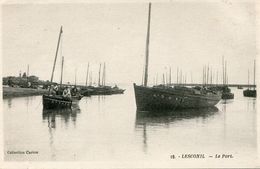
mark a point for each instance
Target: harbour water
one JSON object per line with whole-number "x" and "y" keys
{"x": 108, "y": 128}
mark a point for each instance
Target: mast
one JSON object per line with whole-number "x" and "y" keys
{"x": 208, "y": 75}
{"x": 99, "y": 74}
{"x": 147, "y": 48}
{"x": 27, "y": 75}
{"x": 177, "y": 75}
{"x": 143, "y": 76}
{"x": 87, "y": 75}
{"x": 254, "y": 74}
{"x": 211, "y": 76}
{"x": 104, "y": 75}
{"x": 248, "y": 78}
{"x": 90, "y": 78}
{"x": 62, "y": 61}
{"x": 163, "y": 79}
{"x": 225, "y": 72}
{"x": 170, "y": 76}
{"x": 166, "y": 78}
{"x": 223, "y": 69}
{"x": 75, "y": 77}
{"x": 54, "y": 64}
{"x": 203, "y": 75}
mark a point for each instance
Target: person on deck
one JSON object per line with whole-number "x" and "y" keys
{"x": 52, "y": 91}
{"x": 66, "y": 93}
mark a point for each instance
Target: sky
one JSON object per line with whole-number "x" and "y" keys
{"x": 184, "y": 35}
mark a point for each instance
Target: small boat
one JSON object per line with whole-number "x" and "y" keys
{"x": 227, "y": 95}
{"x": 102, "y": 88}
{"x": 166, "y": 97}
{"x": 239, "y": 87}
{"x": 250, "y": 92}
{"x": 170, "y": 98}
{"x": 57, "y": 101}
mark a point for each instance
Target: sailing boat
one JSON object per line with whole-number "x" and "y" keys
{"x": 250, "y": 92}
{"x": 51, "y": 101}
{"x": 166, "y": 97}
{"x": 226, "y": 92}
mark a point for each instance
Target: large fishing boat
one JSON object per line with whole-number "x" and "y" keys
{"x": 57, "y": 101}
{"x": 165, "y": 97}
{"x": 250, "y": 92}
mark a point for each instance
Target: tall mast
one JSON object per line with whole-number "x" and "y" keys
{"x": 54, "y": 64}
{"x": 170, "y": 76}
{"x": 90, "y": 78}
{"x": 180, "y": 76}
{"x": 208, "y": 75}
{"x": 166, "y": 78}
{"x": 163, "y": 79}
{"x": 203, "y": 75}
{"x": 147, "y": 48}
{"x": 254, "y": 74}
{"x": 143, "y": 76}
{"x": 177, "y": 75}
{"x": 223, "y": 70}
{"x": 104, "y": 74}
{"x": 87, "y": 75}
{"x": 75, "y": 76}
{"x": 27, "y": 75}
{"x": 62, "y": 61}
{"x": 248, "y": 78}
{"x": 99, "y": 74}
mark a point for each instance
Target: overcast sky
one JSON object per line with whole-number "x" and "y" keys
{"x": 187, "y": 35}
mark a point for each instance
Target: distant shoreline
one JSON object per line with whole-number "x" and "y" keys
{"x": 20, "y": 92}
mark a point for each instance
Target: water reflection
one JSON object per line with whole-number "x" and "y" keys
{"x": 166, "y": 117}
{"x": 64, "y": 114}
{"x": 159, "y": 118}
{"x": 52, "y": 117}
{"x": 9, "y": 102}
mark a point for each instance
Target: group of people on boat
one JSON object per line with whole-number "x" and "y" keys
{"x": 66, "y": 92}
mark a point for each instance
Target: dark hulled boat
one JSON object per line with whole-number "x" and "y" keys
{"x": 165, "y": 97}
{"x": 57, "y": 101}
{"x": 102, "y": 88}
{"x": 152, "y": 98}
{"x": 250, "y": 92}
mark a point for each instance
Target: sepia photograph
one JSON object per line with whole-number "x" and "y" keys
{"x": 129, "y": 84}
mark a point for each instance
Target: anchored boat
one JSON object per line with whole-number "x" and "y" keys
{"x": 250, "y": 92}
{"x": 166, "y": 97}
{"x": 57, "y": 101}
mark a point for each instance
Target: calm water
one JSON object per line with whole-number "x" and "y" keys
{"x": 108, "y": 128}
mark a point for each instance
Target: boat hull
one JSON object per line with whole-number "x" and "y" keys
{"x": 227, "y": 96}
{"x": 249, "y": 93}
{"x": 155, "y": 98}
{"x": 55, "y": 102}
